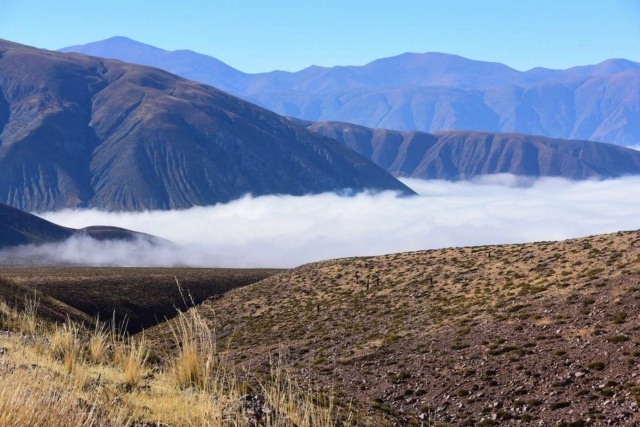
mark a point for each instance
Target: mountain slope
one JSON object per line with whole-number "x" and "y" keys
{"x": 464, "y": 154}
{"x": 21, "y": 228}
{"x": 540, "y": 333}
{"x": 81, "y": 131}
{"x": 427, "y": 92}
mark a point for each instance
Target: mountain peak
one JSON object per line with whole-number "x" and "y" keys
{"x": 104, "y": 48}
{"x": 120, "y": 39}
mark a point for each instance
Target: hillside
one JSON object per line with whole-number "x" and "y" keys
{"x": 541, "y": 333}
{"x": 22, "y": 228}
{"x": 137, "y": 298}
{"x": 426, "y": 92}
{"x": 465, "y": 154}
{"x": 78, "y": 131}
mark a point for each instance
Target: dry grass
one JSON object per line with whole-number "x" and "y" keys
{"x": 98, "y": 342}
{"x": 29, "y": 316}
{"x": 71, "y": 375}
{"x": 196, "y": 359}
{"x": 50, "y": 404}
{"x": 65, "y": 345}
{"x": 136, "y": 355}
{"x": 8, "y": 316}
{"x": 294, "y": 408}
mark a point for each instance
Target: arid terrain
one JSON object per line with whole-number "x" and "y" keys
{"x": 140, "y": 297}
{"x": 531, "y": 334}
{"x": 541, "y": 333}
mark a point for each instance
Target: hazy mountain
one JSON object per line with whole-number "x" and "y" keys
{"x": 601, "y": 108}
{"x": 21, "y": 228}
{"x": 83, "y": 131}
{"x": 185, "y": 63}
{"x": 464, "y": 154}
{"x": 427, "y": 92}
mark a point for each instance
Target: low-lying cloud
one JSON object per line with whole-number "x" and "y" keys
{"x": 286, "y": 231}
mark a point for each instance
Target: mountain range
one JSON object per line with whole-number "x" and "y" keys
{"x": 79, "y": 131}
{"x": 425, "y": 92}
{"x": 454, "y": 155}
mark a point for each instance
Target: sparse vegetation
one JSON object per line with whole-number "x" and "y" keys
{"x": 93, "y": 376}
{"x": 534, "y": 333}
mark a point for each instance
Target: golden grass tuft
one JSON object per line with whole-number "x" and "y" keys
{"x": 28, "y": 318}
{"x": 196, "y": 358}
{"x": 66, "y": 345}
{"x": 8, "y": 316}
{"x": 134, "y": 362}
{"x": 98, "y": 342}
{"x": 291, "y": 407}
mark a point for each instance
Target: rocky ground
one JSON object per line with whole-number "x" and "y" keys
{"x": 540, "y": 334}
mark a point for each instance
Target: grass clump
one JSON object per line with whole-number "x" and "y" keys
{"x": 28, "y": 317}
{"x": 194, "y": 363}
{"x": 98, "y": 343}
{"x": 65, "y": 345}
{"x": 134, "y": 363}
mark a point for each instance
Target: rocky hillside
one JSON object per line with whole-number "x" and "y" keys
{"x": 78, "y": 131}
{"x": 465, "y": 154}
{"x": 532, "y": 334}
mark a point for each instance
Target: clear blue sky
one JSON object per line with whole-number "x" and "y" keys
{"x": 262, "y": 35}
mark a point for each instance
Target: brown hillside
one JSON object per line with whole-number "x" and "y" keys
{"x": 456, "y": 155}
{"x": 16, "y": 296}
{"x": 139, "y": 297}
{"x": 543, "y": 333}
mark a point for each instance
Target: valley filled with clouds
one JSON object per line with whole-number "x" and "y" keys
{"x": 287, "y": 231}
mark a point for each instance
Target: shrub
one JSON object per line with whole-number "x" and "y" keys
{"x": 618, "y": 338}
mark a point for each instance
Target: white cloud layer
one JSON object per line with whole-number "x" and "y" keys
{"x": 286, "y": 231}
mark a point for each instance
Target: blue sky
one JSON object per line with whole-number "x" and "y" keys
{"x": 259, "y": 35}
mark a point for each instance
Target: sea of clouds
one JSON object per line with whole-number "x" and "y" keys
{"x": 286, "y": 231}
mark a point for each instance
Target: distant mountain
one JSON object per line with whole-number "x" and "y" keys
{"x": 464, "y": 154}
{"x": 184, "y": 63}
{"x": 79, "y": 131}
{"x": 21, "y": 228}
{"x": 427, "y": 92}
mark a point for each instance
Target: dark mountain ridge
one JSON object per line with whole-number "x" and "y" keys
{"x": 426, "y": 92}
{"x": 79, "y": 131}
{"x": 22, "y": 228}
{"x": 456, "y": 155}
